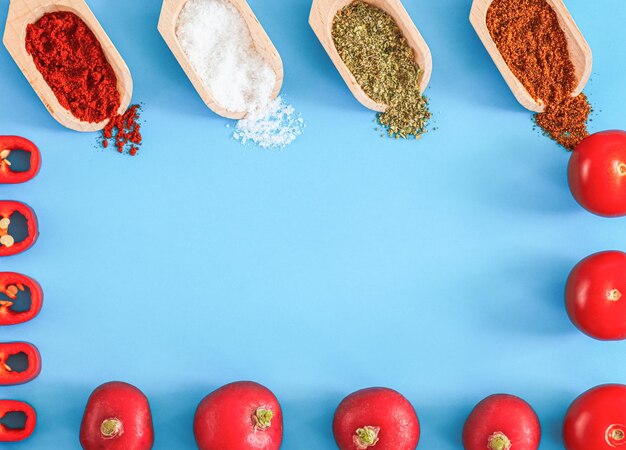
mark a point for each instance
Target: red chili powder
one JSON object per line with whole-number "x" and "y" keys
{"x": 531, "y": 41}
{"x": 71, "y": 60}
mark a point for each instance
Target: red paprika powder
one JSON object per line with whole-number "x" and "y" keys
{"x": 531, "y": 41}
{"x": 73, "y": 63}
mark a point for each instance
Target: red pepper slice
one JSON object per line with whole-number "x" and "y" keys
{"x": 11, "y": 284}
{"x": 8, "y": 376}
{"x": 9, "y": 143}
{"x": 7, "y": 245}
{"x": 15, "y": 435}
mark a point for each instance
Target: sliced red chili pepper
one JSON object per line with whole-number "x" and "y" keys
{"x": 11, "y": 284}
{"x": 7, "y": 174}
{"x": 8, "y": 246}
{"x": 8, "y": 376}
{"x": 14, "y": 435}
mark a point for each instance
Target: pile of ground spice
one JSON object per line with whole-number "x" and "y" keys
{"x": 376, "y": 52}
{"x": 531, "y": 41}
{"x": 71, "y": 60}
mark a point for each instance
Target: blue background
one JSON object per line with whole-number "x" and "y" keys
{"x": 345, "y": 261}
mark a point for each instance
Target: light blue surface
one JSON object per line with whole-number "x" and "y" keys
{"x": 433, "y": 267}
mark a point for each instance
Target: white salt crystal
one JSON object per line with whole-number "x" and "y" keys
{"x": 273, "y": 125}
{"x": 218, "y": 44}
{"x": 217, "y": 41}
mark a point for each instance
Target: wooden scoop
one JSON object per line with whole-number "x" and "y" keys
{"x": 167, "y": 27}
{"x": 321, "y": 19}
{"x": 579, "y": 50}
{"x": 24, "y": 12}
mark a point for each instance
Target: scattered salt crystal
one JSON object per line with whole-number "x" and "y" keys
{"x": 272, "y": 125}
{"x": 217, "y": 41}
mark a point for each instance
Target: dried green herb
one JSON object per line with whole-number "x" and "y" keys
{"x": 374, "y": 49}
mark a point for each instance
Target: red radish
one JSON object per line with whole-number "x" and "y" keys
{"x": 502, "y": 422}
{"x": 117, "y": 417}
{"x": 239, "y": 416}
{"x": 376, "y": 417}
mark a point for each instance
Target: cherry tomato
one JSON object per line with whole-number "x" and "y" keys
{"x": 595, "y": 295}
{"x": 597, "y": 419}
{"x": 502, "y": 422}
{"x": 597, "y": 173}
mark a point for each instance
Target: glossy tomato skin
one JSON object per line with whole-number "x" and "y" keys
{"x": 502, "y": 415}
{"x": 124, "y": 403}
{"x": 225, "y": 419}
{"x": 597, "y": 419}
{"x": 383, "y": 409}
{"x": 597, "y": 173}
{"x": 595, "y": 295}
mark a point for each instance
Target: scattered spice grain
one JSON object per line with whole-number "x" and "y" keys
{"x": 124, "y": 131}
{"x": 376, "y": 52}
{"x": 531, "y": 41}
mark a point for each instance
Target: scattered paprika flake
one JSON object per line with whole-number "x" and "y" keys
{"x": 531, "y": 41}
{"x": 124, "y": 131}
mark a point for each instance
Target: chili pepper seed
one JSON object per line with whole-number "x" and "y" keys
{"x": 4, "y": 154}
{"x": 11, "y": 291}
{"x": 7, "y": 240}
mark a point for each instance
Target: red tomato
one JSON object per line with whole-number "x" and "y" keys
{"x": 595, "y": 295}
{"x": 597, "y": 419}
{"x": 502, "y": 422}
{"x": 377, "y": 417}
{"x": 117, "y": 417}
{"x": 597, "y": 173}
{"x": 239, "y": 416}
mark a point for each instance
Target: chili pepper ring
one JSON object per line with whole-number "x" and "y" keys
{"x": 15, "y": 435}
{"x": 8, "y": 246}
{"x": 9, "y": 144}
{"x": 11, "y": 284}
{"x": 10, "y": 377}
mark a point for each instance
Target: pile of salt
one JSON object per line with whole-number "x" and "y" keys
{"x": 217, "y": 41}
